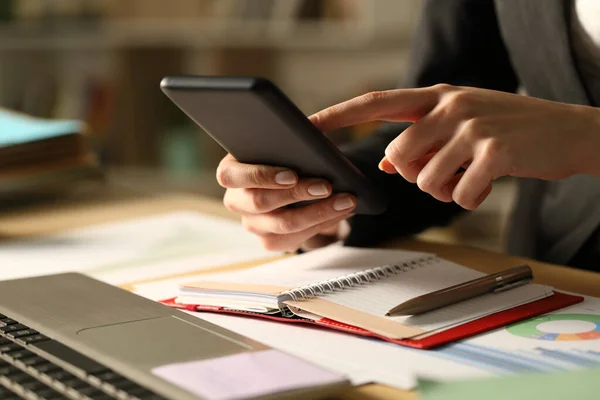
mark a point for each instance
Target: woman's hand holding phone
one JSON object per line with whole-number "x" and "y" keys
{"x": 260, "y": 194}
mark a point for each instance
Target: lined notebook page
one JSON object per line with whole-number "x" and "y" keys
{"x": 380, "y": 297}
{"x": 318, "y": 265}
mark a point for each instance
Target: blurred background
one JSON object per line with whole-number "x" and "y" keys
{"x": 101, "y": 61}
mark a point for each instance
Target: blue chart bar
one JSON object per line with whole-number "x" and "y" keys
{"x": 503, "y": 362}
{"x": 575, "y": 358}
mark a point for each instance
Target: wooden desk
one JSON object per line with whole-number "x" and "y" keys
{"x": 55, "y": 218}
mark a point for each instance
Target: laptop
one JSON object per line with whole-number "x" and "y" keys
{"x": 68, "y": 336}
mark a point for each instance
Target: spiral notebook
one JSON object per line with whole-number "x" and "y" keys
{"x": 352, "y": 288}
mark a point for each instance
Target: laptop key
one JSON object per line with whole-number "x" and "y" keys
{"x": 34, "y": 338}
{"x": 13, "y": 327}
{"x": 32, "y": 361}
{"x": 7, "y": 321}
{"x": 24, "y": 332}
{"x": 4, "y": 392}
{"x": 20, "y": 353}
{"x": 9, "y": 347}
{"x": 4, "y": 341}
{"x": 48, "y": 393}
{"x": 46, "y": 367}
{"x": 20, "y": 377}
{"x": 75, "y": 383}
{"x": 61, "y": 375}
{"x": 69, "y": 356}
{"x": 8, "y": 370}
{"x": 34, "y": 386}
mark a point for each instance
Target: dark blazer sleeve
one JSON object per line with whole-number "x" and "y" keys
{"x": 456, "y": 42}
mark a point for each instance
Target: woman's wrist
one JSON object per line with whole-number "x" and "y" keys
{"x": 586, "y": 150}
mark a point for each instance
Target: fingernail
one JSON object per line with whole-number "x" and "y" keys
{"x": 318, "y": 189}
{"x": 285, "y": 178}
{"x": 343, "y": 202}
{"x": 387, "y": 166}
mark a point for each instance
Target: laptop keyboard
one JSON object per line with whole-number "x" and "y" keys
{"x": 34, "y": 366}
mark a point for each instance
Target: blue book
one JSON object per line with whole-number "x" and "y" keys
{"x": 17, "y": 128}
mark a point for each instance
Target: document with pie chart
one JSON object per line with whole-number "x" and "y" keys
{"x": 565, "y": 340}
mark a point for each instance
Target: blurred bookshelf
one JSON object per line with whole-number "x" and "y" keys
{"x": 308, "y": 24}
{"x": 102, "y": 60}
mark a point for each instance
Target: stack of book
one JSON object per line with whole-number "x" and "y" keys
{"x": 41, "y": 154}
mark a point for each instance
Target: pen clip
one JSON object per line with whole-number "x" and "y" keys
{"x": 512, "y": 285}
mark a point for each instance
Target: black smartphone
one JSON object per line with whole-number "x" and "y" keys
{"x": 256, "y": 123}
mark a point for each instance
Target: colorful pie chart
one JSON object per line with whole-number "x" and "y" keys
{"x": 559, "y": 327}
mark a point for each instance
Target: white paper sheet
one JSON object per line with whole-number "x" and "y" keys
{"x": 140, "y": 248}
{"x": 362, "y": 360}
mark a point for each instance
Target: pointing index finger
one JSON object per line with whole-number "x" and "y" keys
{"x": 400, "y": 105}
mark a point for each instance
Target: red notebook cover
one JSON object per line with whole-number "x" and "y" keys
{"x": 493, "y": 321}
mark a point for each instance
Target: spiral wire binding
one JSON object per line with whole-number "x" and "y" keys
{"x": 351, "y": 280}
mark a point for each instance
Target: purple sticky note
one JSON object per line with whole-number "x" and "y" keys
{"x": 247, "y": 374}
